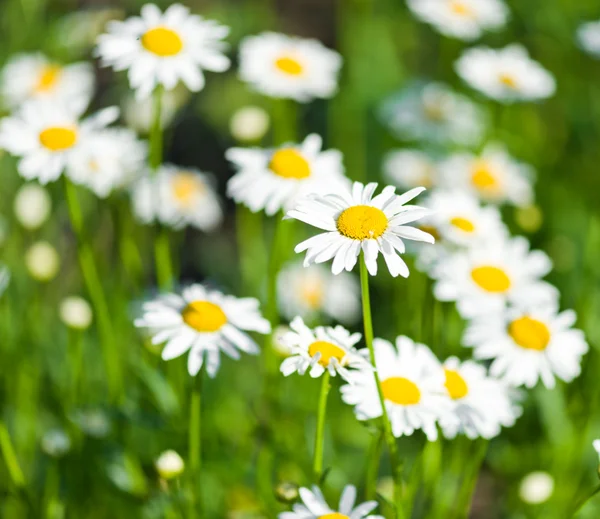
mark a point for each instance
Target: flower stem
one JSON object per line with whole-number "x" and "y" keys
{"x": 195, "y": 435}
{"x": 373, "y": 460}
{"x": 319, "y": 434}
{"x": 271, "y": 309}
{"x": 386, "y": 425}
{"x": 156, "y": 130}
{"x": 10, "y": 458}
{"x": 162, "y": 256}
{"x": 583, "y": 501}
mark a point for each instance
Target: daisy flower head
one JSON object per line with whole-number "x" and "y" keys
{"x": 314, "y": 506}
{"x": 462, "y": 19}
{"x": 494, "y": 176}
{"x": 33, "y": 76}
{"x": 48, "y": 135}
{"x": 159, "y": 48}
{"x": 356, "y": 221}
{"x": 588, "y": 36}
{"x": 282, "y": 66}
{"x": 203, "y": 323}
{"x": 506, "y": 75}
{"x": 322, "y": 349}
{"x": 177, "y": 197}
{"x": 408, "y": 169}
{"x": 272, "y": 180}
{"x": 482, "y": 405}
{"x": 485, "y": 278}
{"x": 528, "y": 343}
{"x": 412, "y": 382}
{"x": 314, "y": 292}
{"x": 433, "y": 112}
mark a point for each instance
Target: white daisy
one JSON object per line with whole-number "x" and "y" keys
{"x": 462, "y": 19}
{"x": 107, "y": 160}
{"x": 410, "y": 168}
{"x": 276, "y": 179}
{"x": 283, "y": 66}
{"x": 314, "y": 506}
{"x": 482, "y": 405}
{"x": 205, "y": 323}
{"x": 494, "y": 176}
{"x": 47, "y": 135}
{"x": 588, "y": 36}
{"x": 412, "y": 382}
{"x": 433, "y": 112}
{"x": 164, "y": 48}
{"x": 356, "y": 221}
{"x": 324, "y": 348}
{"x": 485, "y": 278}
{"x": 528, "y": 343}
{"x": 34, "y": 76}
{"x": 177, "y": 196}
{"x": 506, "y": 75}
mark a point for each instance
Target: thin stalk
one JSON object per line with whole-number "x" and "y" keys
{"x": 156, "y": 130}
{"x": 195, "y": 435}
{"x": 319, "y": 434}
{"x": 10, "y": 458}
{"x": 385, "y": 419}
{"x": 75, "y": 345}
{"x": 162, "y": 257}
{"x": 271, "y": 309}
{"x": 373, "y": 460}
{"x": 583, "y": 501}
{"x": 285, "y": 121}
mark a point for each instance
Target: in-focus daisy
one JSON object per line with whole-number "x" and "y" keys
{"x": 107, "y": 160}
{"x": 321, "y": 349}
{"x": 164, "y": 48}
{"x": 34, "y": 76}
{"x": 177, "y": 197}
{"x": 47, "y": 135}
{"x": 494, "y": 176}
{"x": 485, "y": 278}
{"x": 506, "y": 75}
{"x": 482, "y": 405}
{"x": 462, "y": 19}
{"x": 271, "y": 180}
{"x": 356, "y": 221}
{"x": 314, "y": 506}
{"x": 412, "y": 381}
{"x": 204, "y": 323}
{"x": 410, "y": 168}
{"x": 283, "y": 66}
{"x": 588, "y": 36}
{"x": 433, "y": 112}
{"x": 528, "y": 343}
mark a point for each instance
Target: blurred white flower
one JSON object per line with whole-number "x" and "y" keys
{"x": 138, "y": 114}
{"x": 164, "y": 48}
{"x": 596, "y": 445}
{"x": 177, "y": 197}
{"x": 506, "y": 75}
{"x": 93, "y": 422}
{"x": 277, "y": 341}
{"x": 408, "y": 169}
{"x": 249, "y": 124}
{"x": 32, "y": 206}
{"x": 283, "y": 66}
{"x": 79, "y": 29}
{"x": 536, "y": 487}
{"x": 42, "y": 261}
{"x": 34, "y": 76}
{"x": 588, "y": 36}
{"x": 56, "y": 443}
{"x": 75, "y": 312}
{"x": 169, "y": 465}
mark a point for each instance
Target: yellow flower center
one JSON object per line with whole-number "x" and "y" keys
{"x": 455, "y": 384}
{"x": 312, "y": 294}
{"x": 529, "y": 333}
{"x": 289, "y": 163}
{"x": 400, "y": 390}
{"x": 491, "y": 279}
{"x": 463, "y": 224}
{"x": 162, "y": 42}
{"x": 204, "y": 316}
{"x": 434, "y": 110}
{"x": 58, "y": 138}
{"x": 48, "y": 78}
{"x": 461, "y": 9}
{"x": 289, "y": 65}
{"x": 362, "y": 222}
{"x": 483, "y": 176}
{"x": 327, "y": 350}
{"x": 508, "y": 80}
{"x": 334, "y": 515}
{"x": 185, "y": 186}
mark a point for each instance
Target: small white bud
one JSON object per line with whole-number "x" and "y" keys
{"x": 169, "y": 465}
{"x": 536, "y": 487}
{"x": 249, "y": 124}
{"x": 32, "y": 206}
{"x": 42, "y": 261}
{"x": 76, "y": 313}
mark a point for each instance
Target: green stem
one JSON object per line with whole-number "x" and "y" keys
{"x": 271, "y": 310}
{"x": 319, "y": 434}
{"x": 156, "y": 130}
{"x": 285, "y": 121}
{"x": 583, "y": 501}
{"x": 10, "y": 458}
{"x": 162, "y": 257}
{"x": 373, "y": 460}
{"x": 386, "y": 425}
{"x": 76, "y": 354}
{"x": 195, "y": 435}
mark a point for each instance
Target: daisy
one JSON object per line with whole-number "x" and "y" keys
{"x": 271, "y": 180}
{"x": 528, "y": 343}
{"x": 177, "y": 197}
{"x": 588, "y": 36}
{"x": 322, "y": 349}
{"x": 356, "y": 221}
{"x": 482, "y": 405}
{"x": 203, "y": 322}
{"x": 314, "y": 506}
{"x": 433, "y": 112}
{"x": 283, "y": 66}
{"x": 412, "y": 382}
{"x": 485, "y": 278}
{"x": 47, "y": 135}
{"x": 494, "y": 176}
{"x": 462, "y": 19}
{"x": 164, "y": 48}
{"x": 506, "y": 75}
{"x": 408, "y": 169}
{"x": 314, "y": 291}
{"x": 109, "y": 159}
{"x": 34, "y": 76}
